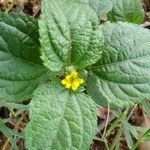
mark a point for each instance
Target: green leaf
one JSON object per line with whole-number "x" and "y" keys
{"x": 128, "y": 137}
{"x": 122, "y": 76}
{"x": 60, "y": 120}
{"x": 102, "y": 7}
{"x": 54, "y": 35}
{"x": 131, "y": 129}
{"x": 95, "y": 94}
{"x": 21, "y": 68}
{"x": 87, "y": 48}
{"x": 127, "y": 10}
{"x": 69, "y": 34}
{"x": 146, "y": 136}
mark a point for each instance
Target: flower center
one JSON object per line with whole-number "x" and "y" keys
{"x": 72, "y": 81}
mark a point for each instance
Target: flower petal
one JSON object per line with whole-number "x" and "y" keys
{"x": 75, "y": 84}
{"x": 68, "y": 77}
{"x": 74, "y": 87}
{"x": 68, "y": 85}
{"x": 64, "y": 81}
{"x": 72, "y": 81}
{"x": 74, "y": 74}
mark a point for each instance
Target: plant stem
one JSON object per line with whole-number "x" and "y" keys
{"x": 105, "y": 141}
{"x": 116, "y": 139}
{"x": 121, "y": 128}
{"x": 107, "y": 119}
{"x": 114, "y": 124}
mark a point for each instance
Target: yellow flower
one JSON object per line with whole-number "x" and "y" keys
{"x": 72, "y": 81}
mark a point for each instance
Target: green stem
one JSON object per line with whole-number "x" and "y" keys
{"x": 121, "y": 116}
{"x": 116, "y": 139}
{"x": 114, "y": 124}
{"x": 105, "y": 141}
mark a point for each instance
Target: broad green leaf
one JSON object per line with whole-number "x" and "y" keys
{"x": 87, "y": 48}
{"x": 60, "y": 120}
{"x": 69, "y": 34}
{"x": 55, "y": 35}
{"x": 127, "y": 10}
{"x": 95, "y": 94}
{"x": 122, "y": 75}
{"x": 21, "y": 70}
{"x": 102, "y": 7}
